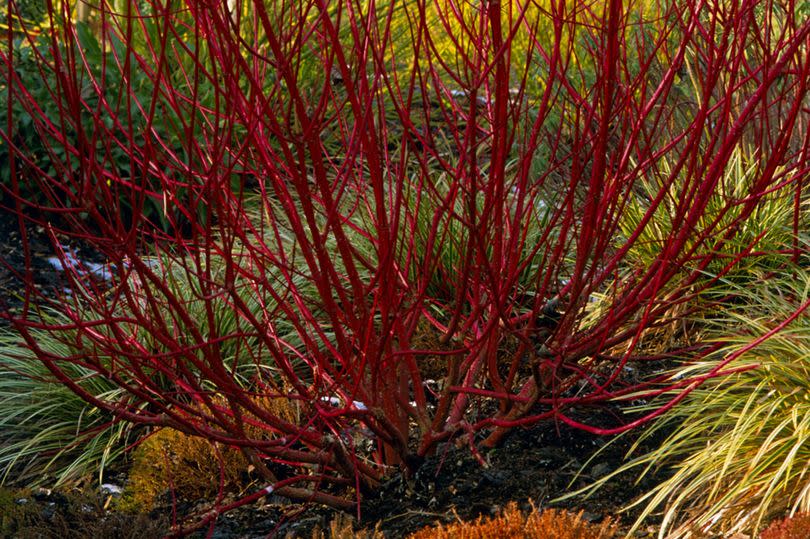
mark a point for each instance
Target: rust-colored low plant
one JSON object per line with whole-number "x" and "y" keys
{"x": 794, "y": 527}
{"x": 513, "y": 523}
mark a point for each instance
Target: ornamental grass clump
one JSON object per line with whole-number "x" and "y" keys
{"x": 313, "y": 190}
{"x": 48, "y": 434}
{"x": 738, "y": 446}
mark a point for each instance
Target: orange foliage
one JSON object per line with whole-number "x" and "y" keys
{"x": 515, "y": 524}
{"x": 795, "y": 527}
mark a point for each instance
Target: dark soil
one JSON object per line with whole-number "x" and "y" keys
{"x": 533, "y": 465}
{"x": 48, "y": 280}
{"x": 12, "y": 262}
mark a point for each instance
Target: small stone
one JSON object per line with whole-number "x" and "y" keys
{"x": 110, "y": 489}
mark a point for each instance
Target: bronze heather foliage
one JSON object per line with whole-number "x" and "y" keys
{"x": 795, "y": 527}
{"x": 516, "y": 524}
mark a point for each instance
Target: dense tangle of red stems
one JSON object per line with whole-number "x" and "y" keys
{"x": 316, "y": 160}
